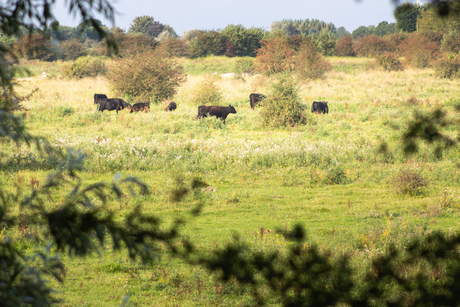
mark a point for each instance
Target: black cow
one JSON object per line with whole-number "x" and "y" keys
{"x": 140, "y": 106}
{"x": 111, "y": 104}
{"x": 99, "y": 97}
{"x": 217, "y": 111}
{"x": 254, "y": 99}
{"x": 319, "y": 107}
{"x": 171, "y": 106}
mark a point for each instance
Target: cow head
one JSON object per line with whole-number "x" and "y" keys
{"x": 232, "y": 109}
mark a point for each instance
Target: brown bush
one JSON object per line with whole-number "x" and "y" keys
{"x": 419, "y": 51}
{"x": 344, "y": 47}
{"x": 136, "y": 44}
{"x": 175, "y": 47}
{"x": 409, "y": 182}
{"x": 146, "y": 76}
{"x": 276, "y": 55}
{"x": 433, "y": 36}
{"x": 371, "y": 46}
{"x": 72, "y": 49}
{"x": 36, "y": 47}
{"x": 395, "y": 40}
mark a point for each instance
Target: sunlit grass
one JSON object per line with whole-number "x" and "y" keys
{"x": 329, "y": 175}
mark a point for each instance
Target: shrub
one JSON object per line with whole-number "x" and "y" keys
{"x": 242, "y": 41}
{"x": 371, "y": 46}
{"x": 36, "y": 47}
{"x": 344, "y": 47}
{"x": 451, "y": 43}
{"x": 206, "y": 92}
{"x": 310, "y": 64}
{"x": 282, "y": 107}
{"x": 72, "y": 49}
{"x": 448, "y": 67}
{"x": 135, "y": 44}
{"x": 389, "y": 62}
{"x": 409, "y": 182}
{"x": 276, "y": 55}
{"x": 395, "y": 40}
{"x": 87, "y": 66}
{"x": 419, "y": 51}
{"x": 175, "y": 47}
{"x": 326, "y": 40}
{"x": 335, "y": 175}
{"x": 206, "y": 43}
{"x": 146, "y": 76}
{"x": 433, "y": 36}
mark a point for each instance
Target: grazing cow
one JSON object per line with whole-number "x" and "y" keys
{"x": 99, "y": 97}
{"x": 171, "y": 106}
{"x": 255, "y": 98}
{"x": 140, "y": 106}
{"x": 319, "y": 107}
{"x": 217, "y": 111}
{"x": 111, "y": 104}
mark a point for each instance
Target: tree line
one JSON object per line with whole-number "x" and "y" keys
{"x": 145, "y": 33}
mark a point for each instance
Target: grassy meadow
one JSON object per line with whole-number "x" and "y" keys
{"x": 329, "y": 175}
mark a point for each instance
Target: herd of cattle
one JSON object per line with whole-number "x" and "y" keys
{"x": 117, "y": 104}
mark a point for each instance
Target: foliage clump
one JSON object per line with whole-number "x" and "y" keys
{"x": 448, "y": 67}
{"x": 451, "y": 43}
{"x": 409, "y": 182}
{"x": 87, "y": 66}
{"x": 36, "y": 47}
{"x": 419, "y": 51}
{"x": 276, "y": 55}
{"x": 175, "y": 47}
{"x": 72, "y": 49}
{"x": 207, "y": 92}
{"x": 282, "y": 108}
{"x": 149, "y": 75}
{"x": 389, "y": 62}
{"x": 204, "y": 43}
{"x": 310, "y": 64}
{"x": 371, "y": 46}
{"x": 344, "y": 47}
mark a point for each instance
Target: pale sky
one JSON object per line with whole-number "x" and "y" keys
{"x": 184, "y": 15}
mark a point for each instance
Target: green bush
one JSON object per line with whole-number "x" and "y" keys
{"x": 207, "y": 43}
{"x": 409, "y": 182}
{"x": 389, "y": 61}
{"x": 146, "y": 76}
{"x": 282, "y": 107}
{"x": 448, "y": 67}
{"x": 451, "y": 43}
{"x": 87, "y": 66}
{"x": 207, "y": 93}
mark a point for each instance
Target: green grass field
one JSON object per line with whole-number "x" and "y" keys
{"x": 329, "y": 176}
